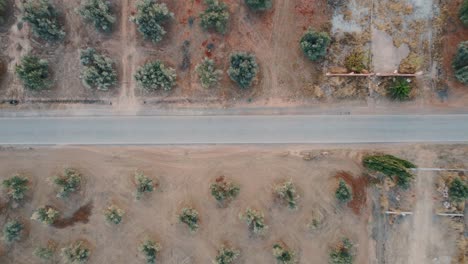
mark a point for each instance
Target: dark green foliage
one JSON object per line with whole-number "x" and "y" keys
{"x": 343, "y": 193}
{"x": 143, "y": 185}
{"x": 16, "y": 187}
{"x": 12, "y": 231}
{"x": 98, "y": 71}
{"x": 255, "y": 221}
{"x": 215, "y": 16}
{"x": 288, "y": 194}
{"x": 149, "y": 18}
{"x": 391, "y": 166}
{"x": 46, "y": 215}
{"x": 226, "y": 255}
{"x": 3, "y": 8}
{"x": 355, "y": 62}
{"x": 43, "y": 18}
{"x": 99, "y": 13}
{"x": 463, "y": 13}
{"x": 460, "y": 63}
{"x": 155, "y": 75}
{"x": 314, "y": 44}
{"x": 33, "y": 72}
{"x": 207, "y": 73}
{"x": 67, "y": 183}
{"x": 259, "y": 4}
{"x": 243, "y": 68}
{"x": 150, "y": 249}
{"x": 47, "y": 252}
{"x": 342, "y": 254}
{"x": 400, "y": 89}
{"x": 458, "y": 190}
{"x": 189, "y": 216}
{"x": 75, "y": 253}
{"x": 223, "y": 190}
{"x": 282, "y": 254}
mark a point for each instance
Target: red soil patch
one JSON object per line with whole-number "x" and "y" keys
{"x": 80, "y": 216}
{"x": 359, "y": 189}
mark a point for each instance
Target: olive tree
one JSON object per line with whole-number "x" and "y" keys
{"x": 343, "y": 193}
{"x": 255, "y": 221}
{"x": 155, "y": 75}
{"x": 114, "y": 214}
{"x": 98, "y": 70}
{"x": 226, "y": 255}
{"x": 33, "y": 72}
{"x": 76, "y": 252}
{"x": 190, "y": 217}
{"x": 99, "y": 13}
{"x": 16, "y": 187}
{"x": 46, "y": 252}
{"x": 215, "y": 16}
{"x": 283, "y": 254}
{"x": 342, "y": 253}
{"x": 207, "y": 73}
{"x": 150, "y": 249}
{"x": 150, "y": 18}
{"x": 224, "y": 190}
{"x": 460, "y": 63}
{"x": 243, "y": 68}
{"x": 67, "y": 183}
{"x": 12, "y": 231}
{"x": 143, "y": 184}
{"x": 46, "y": 215}
{"x": 315, "y": 44}
{"x": 287, "y": 193}
{"x": 259, "y": 5}
{"x": 43, "y": 18}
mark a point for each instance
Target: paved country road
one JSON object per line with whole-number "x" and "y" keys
{"x": 233, "y": 129}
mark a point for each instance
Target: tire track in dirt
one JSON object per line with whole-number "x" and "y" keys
{"x": 127, "y": 100}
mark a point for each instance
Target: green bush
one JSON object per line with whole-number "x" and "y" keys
{"x": 259, "y": 4}
{"x": 16, "y": 187}
{"x": 43, "y": 18}
{"x": 99, "y": 13}
{"x": 343, "y": 193}
{"x": 458, "y": 190}
{"x": 76, "y": 252}
{"x": 243, "y": 68}
{"x": 207, "y": 73}
{"x": 463, "y": 13}
{"x": 255, "y": 221}
{"x": 46, "y": 253}
{"x": 287, "y": 193}
{"x": 355, "y": 62}
{"x": 98, "y": 70}
{"x": 12, "y": 231}
{"x": 226, "y": 255}
{"x": 400, "y": 89}
{"x": 33, "y": 72}
{"x": 215, "y": 16}
{"x": 391, "y": 166}
{"x": 189, "y": 216}
{"x": 282, "y": 254}
{"x": 460, "y": 63}
{"x": 67, "y": 183}
{"x": 315, "y": 44}
{"x": 114, "y": 214}
{"x": 46, "y": 215}
{"x": 155, "y": 75}
{"x": 149, "y": 18}
{"x": 342, "y": 253}
{"x": 3, "y": 8}
{"x": 150, "y": 249}
{"x": 223, "y": 190}
{"x": 143, "y": 185}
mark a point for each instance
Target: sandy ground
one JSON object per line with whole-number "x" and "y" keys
{"x": 184, "y": 174}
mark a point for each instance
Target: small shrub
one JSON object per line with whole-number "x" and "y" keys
{"x": 46, "y": 215}
{"x": 43, "y": 18}
{"x": 12, "y": 231}
{"x": 315, "y": 44}
{"x": 114, "y": 214}
{"x": 67, "y": 183}
{"x": 150, "y": 249}
{"x": 342, "y": 253}
{"x": 223, "y": 190}
{"x": 355, "y": 62}
{"x": 400, "y": 89}
{"x": 343, "y": 193}
{"x": 287, "y": 193}
{"x": 255, "y": 221}
{"x": 47, "y": 252}
{"x": 259, "y": 5}
{"x": 282, "y": 254}
{"x": 99, "y": 13}
{"x": 460, "y": 63}
{"x": 215, "y": 16}
{"x": 155, "y": 75}
{"x": 33, "y": 72}
{"x": 243, "y": 68}
{"x": 458, "y": 190}
{"x": 76, "y": 252}
{"x": 149, "y": 19}
{"x": 226, "y": 255}
{"x": 207, "y": 73}
{"x": 316, "y": 222}
{"x": 189, "y": 216}
{"x": 410, "y": 64}
{"x": 392, "y": 167}
{"x": 143, "y": 185}
{"x": 3, "y": 8}
{"x": 98, "y": 71}
{"x": 463, "y": 13}
{"x": 16, "y": 187}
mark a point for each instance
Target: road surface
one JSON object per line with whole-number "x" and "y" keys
{"x": 233, "y": 129}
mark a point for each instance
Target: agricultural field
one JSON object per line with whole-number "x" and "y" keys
{"x": 288, "y": 47}
{"x": 309, "y": 204}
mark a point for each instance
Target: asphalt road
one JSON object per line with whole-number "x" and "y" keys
{"x": 233, "y": 129}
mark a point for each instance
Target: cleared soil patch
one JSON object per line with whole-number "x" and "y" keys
{"x": 359, "y": 190}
